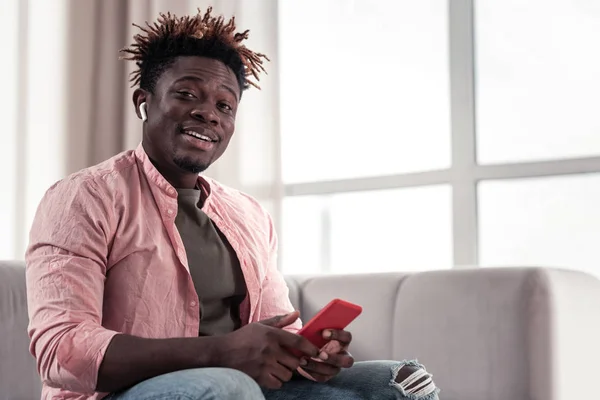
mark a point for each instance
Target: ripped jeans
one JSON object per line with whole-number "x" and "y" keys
{"x": 371, "y": 380}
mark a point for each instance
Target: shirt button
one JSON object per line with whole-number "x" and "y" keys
{"x": 192, "y": 304}
{"x": 171, "y": 190}
{"x": 170, "y": 212}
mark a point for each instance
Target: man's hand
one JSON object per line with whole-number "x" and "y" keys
{"x": 261, "y": 350}
{"x": 333, "y": 356}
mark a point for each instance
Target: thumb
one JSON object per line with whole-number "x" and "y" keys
{"x": 281, "y": 321}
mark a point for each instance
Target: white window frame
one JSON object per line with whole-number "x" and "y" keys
{"x": 464, "y": 174}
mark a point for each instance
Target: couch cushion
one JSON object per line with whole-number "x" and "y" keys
{"x": 376, "y": 293}
{"x": 18, "y": 377}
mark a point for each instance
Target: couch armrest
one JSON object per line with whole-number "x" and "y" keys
{"x": 575, "y": 333}
{"x": 502, "y": 333}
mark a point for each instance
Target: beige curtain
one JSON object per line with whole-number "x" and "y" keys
{"x": 77, "y": 111}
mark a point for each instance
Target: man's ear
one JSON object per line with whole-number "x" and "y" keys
{"x": 139, "y": 96}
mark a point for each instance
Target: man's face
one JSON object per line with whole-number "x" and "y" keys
{"x": 191, "y": 115}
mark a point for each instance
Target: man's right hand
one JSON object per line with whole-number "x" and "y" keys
{"x": 262, "y": 350}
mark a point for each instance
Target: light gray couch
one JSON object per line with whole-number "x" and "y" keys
{"x": 485, "y": 334}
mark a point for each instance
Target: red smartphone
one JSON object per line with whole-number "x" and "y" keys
{"x": 338, "y": 314}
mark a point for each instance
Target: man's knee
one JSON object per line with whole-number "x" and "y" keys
{"x": 236, "y": 385}
{"x": 411, "y": 378}
{"x": 196, "y": 384}
{"x": 227, "y": 384}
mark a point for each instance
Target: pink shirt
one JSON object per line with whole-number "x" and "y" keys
{"x": 105, "y": 257}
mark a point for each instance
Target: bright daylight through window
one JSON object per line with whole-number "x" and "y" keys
{"x": 434, "y": 134}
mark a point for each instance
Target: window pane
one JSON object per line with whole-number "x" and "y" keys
{"x": 301, "y": 237}
{"x": 364, "y": 83}
{"x": 548, "y": 222}
{"x": 378, "y": 231}
{"x": 538, "y": 86}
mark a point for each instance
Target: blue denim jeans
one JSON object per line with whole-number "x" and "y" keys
{"x": 373, "y": 380}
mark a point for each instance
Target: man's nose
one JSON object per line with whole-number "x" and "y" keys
{"x": 205, "y": 114}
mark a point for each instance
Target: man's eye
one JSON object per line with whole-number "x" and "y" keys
{"x": 225, "y": 107}
{"x": 185, "y": 93}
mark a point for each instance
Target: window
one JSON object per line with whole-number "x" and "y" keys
{"x": 364, "y": 83}
{"x": 371, "y": 231}
{"x": 422, "y": 135}
{"x": 538, "y": 86}
{"x": 368, "y": 107}
{"x": 551, "y": 221}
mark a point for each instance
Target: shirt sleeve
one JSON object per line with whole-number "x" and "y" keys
{"x": 66, "y": 264}
{"x": 275, "y": 300}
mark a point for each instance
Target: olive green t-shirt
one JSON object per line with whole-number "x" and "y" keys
{"x": 213, "y": 264}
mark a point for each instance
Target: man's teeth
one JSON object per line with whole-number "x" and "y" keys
{"x": 199, "y": 136}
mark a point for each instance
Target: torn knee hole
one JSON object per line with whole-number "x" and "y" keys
{"x": 412, "y": 378}
{"x": 405, "y": 373}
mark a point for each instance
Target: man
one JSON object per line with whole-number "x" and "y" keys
{"x": 147, "y": 281}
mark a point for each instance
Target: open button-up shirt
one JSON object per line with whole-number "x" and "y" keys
{"x": 105, "y": 258}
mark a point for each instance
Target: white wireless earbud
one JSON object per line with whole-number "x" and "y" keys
{"x": 143, "y": 112}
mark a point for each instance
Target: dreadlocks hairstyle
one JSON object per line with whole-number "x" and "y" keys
{"x": 159, "y": 44}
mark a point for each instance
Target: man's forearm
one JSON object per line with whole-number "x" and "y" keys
{"x": 130, "y": 360}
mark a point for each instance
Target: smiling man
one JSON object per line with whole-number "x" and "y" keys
{"x": 147, "y": 281}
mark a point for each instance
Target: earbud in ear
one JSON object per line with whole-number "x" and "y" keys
{"x": 143, "y": 112}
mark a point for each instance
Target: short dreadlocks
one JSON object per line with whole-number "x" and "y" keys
{"x": 159, "y": 44}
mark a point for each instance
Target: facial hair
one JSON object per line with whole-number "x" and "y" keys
{"x": 189, "y": 165}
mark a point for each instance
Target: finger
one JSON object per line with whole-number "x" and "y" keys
{"x": 339, "y": 360}
{"x": 321, "y": 368}
{"x": 281, "y": 372}
{"x": 290, "y": 361}
{"x": 269, "y": 381}
{"x": 297, "y": 342}
{"x": 333, "y": 347}
{"x": 281, "y": 321}
{"x": 321, "y": 378}
{"x": 341, "y": 336}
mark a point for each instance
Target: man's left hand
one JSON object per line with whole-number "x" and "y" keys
{"x": 333, "y": 357}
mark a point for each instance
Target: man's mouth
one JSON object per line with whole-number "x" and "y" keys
{"x": 198, "y": 135}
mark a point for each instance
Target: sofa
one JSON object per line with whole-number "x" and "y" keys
{"x": 485, "y": 334}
